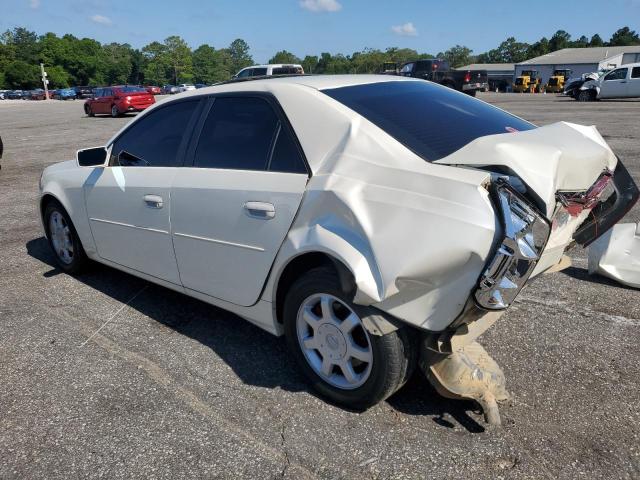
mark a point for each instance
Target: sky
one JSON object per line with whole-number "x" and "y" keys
{"x": 314, "y": 26}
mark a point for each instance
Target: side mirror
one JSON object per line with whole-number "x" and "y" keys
{"x": 91, "y": 157}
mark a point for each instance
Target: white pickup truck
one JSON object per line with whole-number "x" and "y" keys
{"x": 622, "y": 82}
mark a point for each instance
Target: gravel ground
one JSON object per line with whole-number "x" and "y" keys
{"x": 173, "y": 388}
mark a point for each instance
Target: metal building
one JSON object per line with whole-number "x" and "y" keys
{"x": 580, "y": 60}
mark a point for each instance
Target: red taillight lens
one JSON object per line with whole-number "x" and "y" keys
{"x": 467, "y": 77}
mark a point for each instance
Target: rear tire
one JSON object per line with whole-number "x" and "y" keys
{"x": 63, "y": 239}
{"x": 114, "y": 111}
{"x": 383, "y": 363}
{"x": 471, "y": 93}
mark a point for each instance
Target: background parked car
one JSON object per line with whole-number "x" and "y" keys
{"x": 200, "y": 85}
{"x": 2, "y": 94}
{"x": 16, "y": 95}
{"x": 37, "y": 94}
{"x": 83, "y": 92}
{"x": 169, "y": 89}
{"x": 153, "y": 90}
{"x": 186, "y": 87}
{"x": 272, "y": 69}
{"x": 118, "y": 100}
{"x": 64, "y": 94}
{"x": 438, "y": 71}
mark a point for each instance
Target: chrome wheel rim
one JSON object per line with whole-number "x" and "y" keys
{"x": 334, "y": 341}
{"x": 61, "y": 237}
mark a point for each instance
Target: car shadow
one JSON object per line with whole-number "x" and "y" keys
{"x": 584, "y": 275}
{"x": 257, "y": 357}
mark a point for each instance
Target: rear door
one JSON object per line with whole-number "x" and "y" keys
{"x": 634, "y": 83}
{"x": 614, "y": 84}
{"x": 129, "y": 201}
{"x": 232, "y": 208}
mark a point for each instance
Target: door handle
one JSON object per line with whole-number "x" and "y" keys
{"x": 262, "y": 210}
{"x": 624, "y": 81}
{"x": 153, "y": 201}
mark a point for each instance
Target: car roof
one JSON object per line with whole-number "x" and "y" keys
{"x": 317, "y": 82}
{"x": 274, "y": 65}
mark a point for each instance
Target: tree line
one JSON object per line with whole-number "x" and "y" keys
{"x": 82, "y": 61}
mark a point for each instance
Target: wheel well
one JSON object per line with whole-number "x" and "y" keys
{"x": 302, "y": 264}
{"x": 46, "y": 200}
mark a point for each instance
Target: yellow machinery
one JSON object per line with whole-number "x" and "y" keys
{"x": 528, "y": 81}
{"x": 557, "y": 80}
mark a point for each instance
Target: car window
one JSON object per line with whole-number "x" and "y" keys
{"x": 245, "y": 73}
{"x": 97, "y": 93}
{"x": 619, "y": 74}
{"x": 131, "y": 89}
{"x": 431, "y": 120}
{"x": 259, "y": 71}
{"x": 155, "y": 139}
{"x": 635, "y": 73}
{"x": 238, "y": 134}
{"x": 286, "y": 156}
{"x": 408, "y": 68}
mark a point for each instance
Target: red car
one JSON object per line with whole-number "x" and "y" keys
{"x": 153, "y": 90}
{"x": 118, "y": 100}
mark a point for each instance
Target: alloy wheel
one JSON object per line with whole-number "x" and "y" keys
{"x": 334, "y": 341}
{"x": 61, "y": 237}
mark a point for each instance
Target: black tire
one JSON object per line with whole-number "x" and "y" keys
{"x": 471, "y": 93}
{"x": 585, "y": 96}
{"x": 394, "y": 354}
{"x": 114, "y": 111}
{"x": 89, "y": 111}
{"x": 79, "y": 261}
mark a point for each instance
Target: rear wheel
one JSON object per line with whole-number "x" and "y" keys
{"x": 471, "y": 92}
{"x": 114, "y": 111}
{"x": 344, "y": 362}
{"x": 63, "y": 239}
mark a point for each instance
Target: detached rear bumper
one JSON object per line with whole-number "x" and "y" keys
{"x": 606, "y": 214}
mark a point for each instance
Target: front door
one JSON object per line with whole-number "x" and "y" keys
{"x": 129, "y": 201}
{"x": 614, "y": 84}
{"x": 232, "y": 209}
{"x": 634, "y": 83}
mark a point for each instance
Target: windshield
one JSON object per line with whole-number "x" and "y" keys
{"x": 431, "y": 120}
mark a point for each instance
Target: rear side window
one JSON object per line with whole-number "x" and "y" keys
{"x": 238, "y": 134}
{"x": 431, "y": 120}
{"x": 259, "y": 71}
{"x": 635, "y": 73}
{"x": 286, "y": 156}
{"x": 155, "y": 139}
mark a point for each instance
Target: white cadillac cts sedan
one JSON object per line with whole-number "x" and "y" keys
{"x": 378, "y": 222}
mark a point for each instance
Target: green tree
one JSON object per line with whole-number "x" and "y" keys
{"x": 582, "y": 42}
{"x": 155, "y": 69}
{"x": 310, "y": 63}
{"x": 58, "y": 76}
{"x": 457, "y": 56}
{"x": 284, "y": 57}
{"x": 116, "y": 64}
{"x": 541, "y": 47}
{"x": 623, "y": 37}
{"x": 210, "y": 65}
{"x": 559, "y": 40}
{"x": 178, "y": 57}
{"x": 22, "y": 75}
{"x": 596, "y": 41}
{"x": 239, "y": 53}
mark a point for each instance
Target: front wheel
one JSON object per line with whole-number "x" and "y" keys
{"x": 585, "y": 96}
{"x": 114, "y": 111}
{"x": 344, "y": 362}
{"x": 63, "y": 239}
{"x": 89, "y": 111}
{"x": 471, "y": 93}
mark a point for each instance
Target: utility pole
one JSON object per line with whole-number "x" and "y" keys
{"x": 45, "y": 82}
